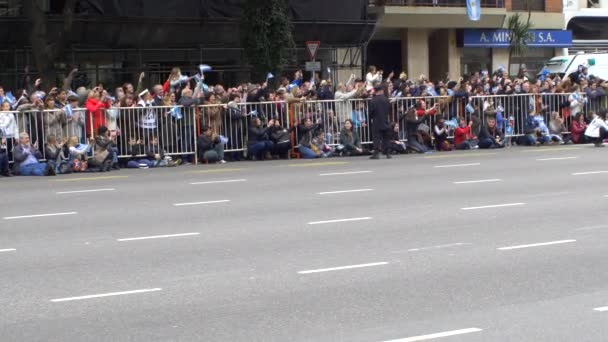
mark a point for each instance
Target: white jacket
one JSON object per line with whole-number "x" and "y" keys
{"x": 8, "y": 125}
{"x": 593, "y": 130}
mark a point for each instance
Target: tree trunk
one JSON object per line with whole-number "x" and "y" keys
{"x": 47, "y": 49}
{"x": 527, "y": 25}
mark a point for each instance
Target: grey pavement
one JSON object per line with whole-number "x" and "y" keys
{"x": 510, "y": 242}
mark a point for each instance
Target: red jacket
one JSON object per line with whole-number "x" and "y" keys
{"x": 95, "y": 112}
{"x": 576, "y": 131}
{"x": 421, "y": 112}
{"x": 461, "y": 135}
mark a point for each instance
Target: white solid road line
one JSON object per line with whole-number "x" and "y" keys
{"x": 104, "y": 295}
{"x": 344, "y": 191}
{"x": 588, "y": 173}
{"x": 344, "y": 173}
{"x": 602, "y": 309}
{"x": 536, "y": 245}
{"x": 479, "y": 181}
{"x": 494, "y": 206}
{"x": 7, "y": 250}
{"x": 344, "y": 267}
{"x": 437, "y": 335}
{"x": 560, "y": 158}
{"x": 83, "y": 191}
{"x": 456, "y": 165}
{"x": 39, "y": 215}
{"x": 220, "y": 181}
{"x": 157, "y": 237}
{"x": 341, "y": 220}
{"x": 199, "y": 203}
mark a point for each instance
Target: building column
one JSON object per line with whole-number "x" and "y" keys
{"x": 500, "y": 57}
{"x": 417, "y": 45}
{"x": 404, "y": 51}
{"x": 454, "y": 54}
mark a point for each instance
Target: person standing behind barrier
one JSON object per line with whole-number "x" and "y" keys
{"x": 54, "y": 119}
{"x": 74, "y": 118}
{"x": 95, "y": 111}
{"x": 8, "y": 127}
{"x": 379, "y": 108}
{"x": 233, "y": 125}
{"x": 212, "y": 113}
{"x": 27, "y": 158}
{"x": 577, "y": 101}
{"x": 595, "y": 95}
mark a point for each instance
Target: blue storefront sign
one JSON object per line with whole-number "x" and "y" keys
{"x": 501, "y": 38}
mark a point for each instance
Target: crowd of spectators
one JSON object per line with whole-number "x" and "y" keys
{"x": 88, "y": 129}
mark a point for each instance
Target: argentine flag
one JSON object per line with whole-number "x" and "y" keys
{"x": 474, "y": 10}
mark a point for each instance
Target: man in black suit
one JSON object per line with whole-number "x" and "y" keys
{"x": 379, "y": 108}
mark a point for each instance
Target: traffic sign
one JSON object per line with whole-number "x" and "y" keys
{"x": 313, "y": 48}
{"x": 313, "y": 66}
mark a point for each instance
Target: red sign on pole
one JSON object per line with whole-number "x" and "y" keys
{"x": 313, "y": 48}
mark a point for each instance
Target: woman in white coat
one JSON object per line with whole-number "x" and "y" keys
{"x": 597, "y": 130}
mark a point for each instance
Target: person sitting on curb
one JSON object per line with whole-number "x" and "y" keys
{"x": 490, "y": 136}
{"x": 259, "y": 145}
{"x": 597, "y": 130}
{"x": 104, "y": 152}
{"x": 27, "y": 158}
{"x": 4, "y": 169}
{"x": 210, "y": 147}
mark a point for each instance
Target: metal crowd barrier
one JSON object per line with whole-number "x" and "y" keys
{"x": 176, "y": 128}
{"x": 232, "y": 120}
{"x": 173, "y": 128}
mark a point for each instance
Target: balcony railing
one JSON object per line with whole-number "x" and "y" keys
{"x": 436, "y": 3}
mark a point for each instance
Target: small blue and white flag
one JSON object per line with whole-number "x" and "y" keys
{"x": 10, "y": 98}
{"x": 176, "y": 113}
{"x": 204, "y": 68}
{"x": 269, "y": 76}
{"x": 474, "y": 10}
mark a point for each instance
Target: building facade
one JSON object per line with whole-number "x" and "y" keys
{"x": 436, "y": 38}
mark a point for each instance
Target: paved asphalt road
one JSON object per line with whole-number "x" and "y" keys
{"x": 505, "y": 245}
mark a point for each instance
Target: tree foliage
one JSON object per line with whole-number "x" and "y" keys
{"x": 519, "y": 34}
{"x": 267, "y": 36}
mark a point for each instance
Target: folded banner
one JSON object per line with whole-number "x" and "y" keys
{"x": 473, "y": 10}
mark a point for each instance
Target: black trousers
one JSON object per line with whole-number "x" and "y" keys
{"x": 382, "y": 140}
